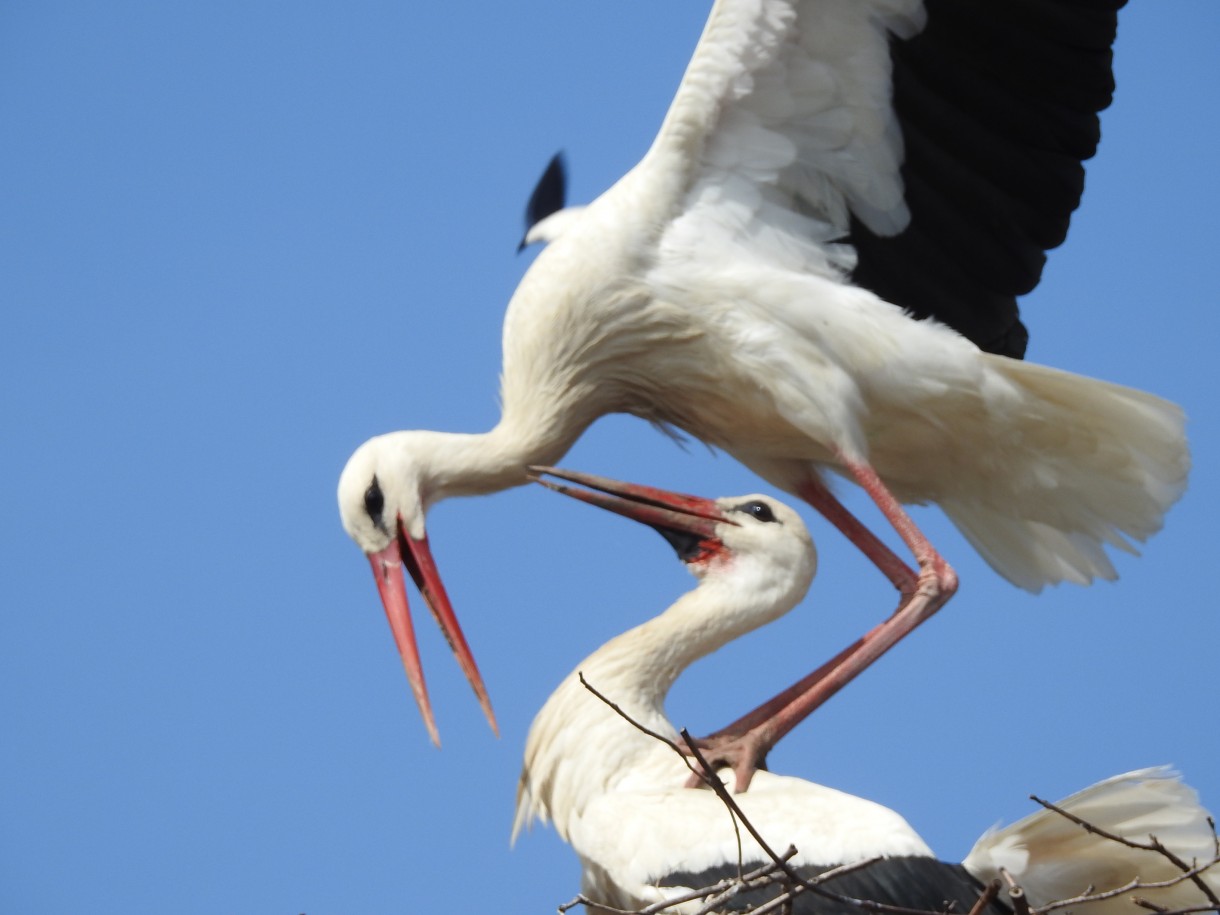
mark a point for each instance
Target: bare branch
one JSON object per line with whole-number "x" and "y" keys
{"x": 725, "y": 889}
{"x": 592, "y": 906}
{"x": 985, "y": 898}
{"x": 635, "y": 724}
{"x": 1149, "y": 904}
{"x": 1020, "y": 905}
{"x": 1152, "y": 845}
{"x": 1134, "y": 884}
{"x": 705, "y": 773}
{"x": 713, "y": 782}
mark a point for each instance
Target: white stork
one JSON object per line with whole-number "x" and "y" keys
{"x": 616, "y": 794}
{"x": 815, "y": 268}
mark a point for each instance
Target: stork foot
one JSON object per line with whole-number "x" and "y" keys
{"x": 744, "y": 753}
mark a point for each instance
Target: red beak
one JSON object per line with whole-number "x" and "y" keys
{"x": 687, "y": 522}
{"x": 416, "y": 555}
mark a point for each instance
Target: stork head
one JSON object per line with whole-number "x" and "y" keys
{"x": 384, "y": 492}
{"x": 752, "y": 543}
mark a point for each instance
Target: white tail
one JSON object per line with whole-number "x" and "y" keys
{"x": 1083, "y": 463}
{"x": 1053, "y": 858}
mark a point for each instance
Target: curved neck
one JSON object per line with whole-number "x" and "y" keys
{"x": 634, "y": 671}
{"x": 643, "y": 663}
{"x": 465, "y": 464}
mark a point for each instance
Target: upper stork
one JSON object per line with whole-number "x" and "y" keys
{"x": 815, "y": 268}
{"x": 617, "y": 795}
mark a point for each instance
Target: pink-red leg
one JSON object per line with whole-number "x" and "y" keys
{"x": 744, "y": 744}
{"x": 900, "y": 575}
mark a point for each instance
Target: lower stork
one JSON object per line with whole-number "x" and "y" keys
{"x": 617, "y": 794}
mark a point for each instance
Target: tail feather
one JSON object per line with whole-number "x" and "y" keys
{"x": 1053, "y": 858}
{"x": 1081, "y": 464}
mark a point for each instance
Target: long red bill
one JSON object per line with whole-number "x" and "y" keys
{"x": 419, "y": 562}
{"x": 658, "y": 508}
{"x": 415, "y": 554}
{"x": 392, "y": 586}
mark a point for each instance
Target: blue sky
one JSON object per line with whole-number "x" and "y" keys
{"x": 240, "y": 238}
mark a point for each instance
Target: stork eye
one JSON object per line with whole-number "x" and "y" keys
{"x": 760, "y": 510}
{"x": 374, "y": 501}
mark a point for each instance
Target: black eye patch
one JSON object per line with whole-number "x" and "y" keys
{"x": 759, "y": 510}
{"x": 374, "y": 502}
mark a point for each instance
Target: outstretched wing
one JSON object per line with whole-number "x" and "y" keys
{"x": 930, "y": 150}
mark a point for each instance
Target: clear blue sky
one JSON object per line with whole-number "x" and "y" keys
{"x": 240, "y": 238}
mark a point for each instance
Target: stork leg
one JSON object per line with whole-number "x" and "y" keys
{"x": 744, "y": 744}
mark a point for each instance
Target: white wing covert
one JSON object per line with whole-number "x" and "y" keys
{"x": 783, "y": 127}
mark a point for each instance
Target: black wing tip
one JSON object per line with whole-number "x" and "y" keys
{"x": 994, "y": 162}
{"x": 550, "y": 194}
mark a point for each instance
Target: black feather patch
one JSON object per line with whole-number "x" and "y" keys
{"x": 911, "y": 882}
{"x": 550, "y": 193}
{"x": 998, "y": 106}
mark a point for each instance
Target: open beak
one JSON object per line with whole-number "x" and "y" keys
{"x": 416, "y": 555}
{"x": 687, "y": 522}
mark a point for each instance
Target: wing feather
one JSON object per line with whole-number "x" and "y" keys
{"x": 929, "y": 149}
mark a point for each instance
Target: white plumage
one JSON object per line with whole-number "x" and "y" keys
{"x": 616, "y": 795}
{"x": 1056, "y": 859}
{"x": 828, "y": 170}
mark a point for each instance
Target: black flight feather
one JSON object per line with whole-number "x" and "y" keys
{"x": 549, "y": 196}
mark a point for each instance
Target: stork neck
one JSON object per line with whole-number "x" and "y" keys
{"x": 647, "y": 660}
{"x": 462, "y": 464}
{"x": 634, "y": 671}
